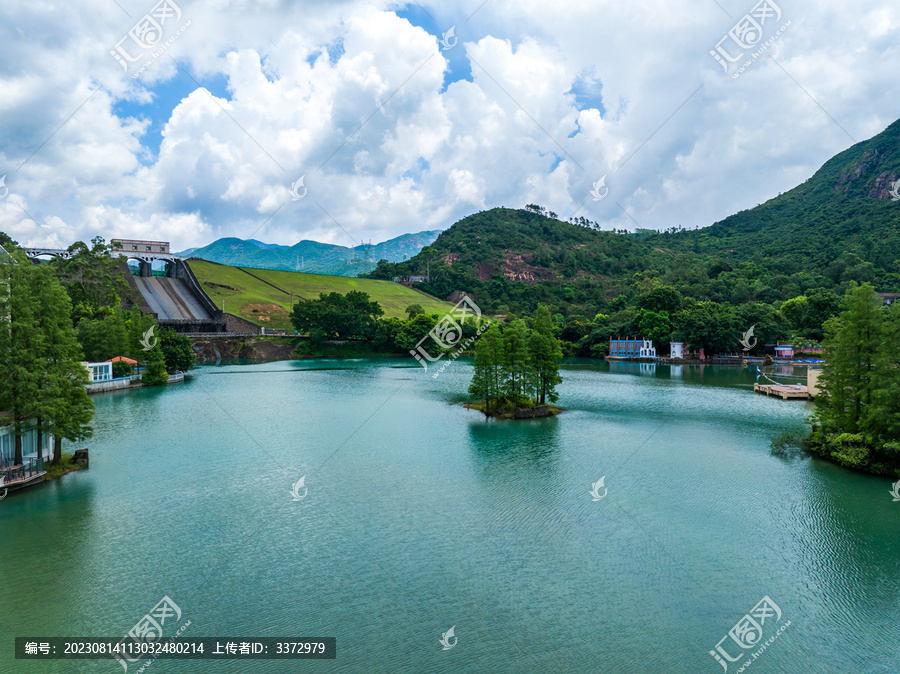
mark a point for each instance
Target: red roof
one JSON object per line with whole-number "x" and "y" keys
{"x": 122, "y": 359}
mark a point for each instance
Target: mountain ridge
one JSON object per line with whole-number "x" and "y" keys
{"x": 312, "y": 256}
{"x": 841, "y": 225}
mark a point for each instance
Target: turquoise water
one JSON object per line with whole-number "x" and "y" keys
{"x": 421, "y": 515}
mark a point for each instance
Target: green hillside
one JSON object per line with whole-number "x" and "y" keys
{"x": 846, "y": 207}
{"x": 264, "y": 296}
{"x": 840, "y": 226}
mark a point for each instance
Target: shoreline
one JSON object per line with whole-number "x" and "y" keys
{"x": 545, "y": 411}
{"x": 66, "y": 466}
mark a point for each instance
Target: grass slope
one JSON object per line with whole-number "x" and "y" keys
{"x": 265, "y": 297}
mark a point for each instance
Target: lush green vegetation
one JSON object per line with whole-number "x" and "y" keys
{"x": 337, "y": 316}
{"x": 41, "y": 378}
{"x": 516, "y": 367}
{"x": 177, "y": 350}
{"x": 355, "y": 316}
{"x": 839, "y": 226}
{"x": 603, "y": 284}
{"x": 858, "y": 406}
{"x": 98, "y": 293}
{"x": 785, "y": 263}
{"x": 65, "y": 465}
{"x": 155, "y": 373}
{"x": 265, "y": 297}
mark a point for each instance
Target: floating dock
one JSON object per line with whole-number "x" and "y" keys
{"x": 786, "y": 392}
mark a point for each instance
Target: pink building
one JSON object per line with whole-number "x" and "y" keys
{"x": 784, "y": 352}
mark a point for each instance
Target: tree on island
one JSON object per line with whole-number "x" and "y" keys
{"x": 545, "y": 352}
{"x": 518, "y": 367}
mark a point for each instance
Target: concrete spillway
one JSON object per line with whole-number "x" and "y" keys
{"x": 171, "y": 299}
{"x": 177, "y": 300}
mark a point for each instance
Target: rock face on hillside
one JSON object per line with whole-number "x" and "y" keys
{"x": 252, "y": 348}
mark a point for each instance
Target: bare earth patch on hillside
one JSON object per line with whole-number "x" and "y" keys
{"x": 516, "y": 268}
{"x": 263, "y": 311}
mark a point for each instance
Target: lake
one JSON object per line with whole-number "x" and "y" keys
{"x": 417, "y": 515}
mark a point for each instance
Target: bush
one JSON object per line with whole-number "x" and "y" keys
{"x": 788, "y": 444}
{"x": 850, "y": 450}
{"x": 121, "y": 369}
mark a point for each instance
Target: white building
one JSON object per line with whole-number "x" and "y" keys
{"x": 99, "y": 371}
{"x": 647, "y": 349}
{"x": 676, "y": 349}
{"x": 29, "y": 444}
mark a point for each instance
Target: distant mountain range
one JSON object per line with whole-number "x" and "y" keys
{"x": 312, "y": 256}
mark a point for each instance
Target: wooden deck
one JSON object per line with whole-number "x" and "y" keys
{"x": 798, "y": 392}
{"x": 19, "y": 476}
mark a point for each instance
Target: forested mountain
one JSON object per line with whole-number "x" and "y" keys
{"x": 841, "y": 225}
{"x": 843, "y": 222}
{"x": 312, "y": 256}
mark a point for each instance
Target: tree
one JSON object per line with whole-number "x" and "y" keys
{"x": 138, "y": 326}
{"x": 121, "y": 369}
{"x": 177, "y": 350}
{"x": 155, "y": 373}
{"x": 91, "y": 277}
{"x": 71, "y": 410}
{"x": 414, "y": 310}
{"x": 769, "y": 326}
{"x": 544, "y": 355}
{"x": 21, "y": 341}
{"x": 65, "y": 409}
{"x": 709, "y": 326}
{"x": 807, "y": 313}
{"x": 660, "y": 298}
{"x": 515, "y": 359}
{"x": 851, "y": 342}
{"x": 655, "y": 326}
{"x": 41, "y": 378}
{"x": 104, "y": 337}
{"x": 486, "y": 374}
{"x": 881, "y": 417}
{"x": 337, "y": 316}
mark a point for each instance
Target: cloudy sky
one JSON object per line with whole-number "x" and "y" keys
{"x": 189, "y": 120}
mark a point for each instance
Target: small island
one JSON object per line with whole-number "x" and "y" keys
{"x": 517, "y": 370}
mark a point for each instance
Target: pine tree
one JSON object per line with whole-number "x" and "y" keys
{"x": 486, "y": 375}
{"x": 20, "y": 343}
{"x": 137, "y": 325}
{"x": 881, "y": 417}
{"x": 851, "y": 341}
{"x": 65, "y": 409}
{"x": 545, "y": 352}
{"x": 515, "y": 360}
{"x": 156, "y": 368}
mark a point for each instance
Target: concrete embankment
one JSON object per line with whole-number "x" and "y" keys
{"x": 211, "y": 349}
